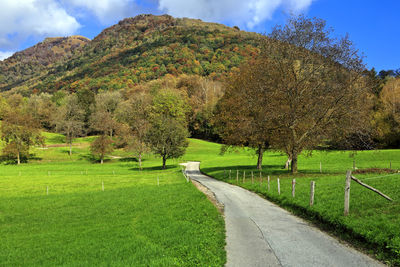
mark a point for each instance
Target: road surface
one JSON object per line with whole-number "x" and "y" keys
{"x": 259, "y": 233}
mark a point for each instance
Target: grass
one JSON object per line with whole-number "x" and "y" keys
{"x": 373, "y": 223}
{"x": 136, "y": 222}
{"x": 132, "y": 222}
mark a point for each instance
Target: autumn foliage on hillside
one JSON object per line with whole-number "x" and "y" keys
{"x": 142, "y": 49}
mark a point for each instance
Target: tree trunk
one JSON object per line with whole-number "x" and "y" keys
{"x": 70, "y": 149}
{"x": 140, "y": 161}
{"x": 287, "y": 164}
{"x": 101, "y": 159}
{"x": 18, "y": 158}
{"x": 164, "y": 160}
{"x": 260, "y": 152}
{"x": 294, "y": 162}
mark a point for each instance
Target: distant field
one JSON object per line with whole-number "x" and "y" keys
{"x": 373, "y": 222}
{"x": 133, "y": 222}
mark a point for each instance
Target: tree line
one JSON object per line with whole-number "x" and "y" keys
{"x": 303, "y": 90}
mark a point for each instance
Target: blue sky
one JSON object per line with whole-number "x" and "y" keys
{"x": 372, "y": 25}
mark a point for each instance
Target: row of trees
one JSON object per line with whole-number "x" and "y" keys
{"x": 304, "y": 90}
{"x": 138, "y": 121}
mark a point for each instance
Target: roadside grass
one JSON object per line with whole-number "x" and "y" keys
{"x": 373, "y": 222}
{"x": 133, "y": 222}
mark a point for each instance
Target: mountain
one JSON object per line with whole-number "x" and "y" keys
{"x": 34, "y": 61}
{"x": 135, "y": 50}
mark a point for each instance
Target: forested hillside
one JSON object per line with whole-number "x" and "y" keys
{"x": 35, "y": 61}
{"x": 137, "y": 50}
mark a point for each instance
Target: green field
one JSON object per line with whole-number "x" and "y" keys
{"x": 53, "y": 210}
{"x": 133, "y": 222}
{"x": 373, "y": 223}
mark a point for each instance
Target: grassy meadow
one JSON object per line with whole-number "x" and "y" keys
{"x": 53, "y": 211}
{"x": 373, "y": 222}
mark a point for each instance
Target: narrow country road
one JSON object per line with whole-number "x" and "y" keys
{"x": 259, "y": 233}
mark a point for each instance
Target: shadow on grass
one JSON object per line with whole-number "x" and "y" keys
{"x": 269, "y": 169}
{"x": 92, "y": 159}
{"x": 154, "y": 168}
{"x": 129, "y": 159}
{"x": 10, "y": 160}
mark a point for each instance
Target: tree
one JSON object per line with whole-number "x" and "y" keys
{"x": 303, "y": 88}
{"x": 69, "y": 120}
{"x": 316, "y": 89}
{"x": 42, "y": 109}
{"x": 388, "y": 114}
{"x": 168, "y": 131}
{"x": 86, "y": 100}
{"x": 19, "y": 130}
{"x": 167, "y": 138}
{"x": 241, "y": 113}
{"x": 101, "y": 146}
{"x": 102, "y": 118}
{"x": 134, "y": 115}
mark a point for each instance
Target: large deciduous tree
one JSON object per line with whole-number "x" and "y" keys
{"x": 303, "y": 88}
{"x": 69, "y": 120}
{"x": 318, "y": 88}
{"x": 101, "y": 146}
{"x": 19, "y": 129}
{"x": 134, "y": 116}
{"x": 242, "y": 112}
{"x": 168, "y": 131}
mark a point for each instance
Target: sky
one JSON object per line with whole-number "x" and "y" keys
{"x": 372, "y": 25}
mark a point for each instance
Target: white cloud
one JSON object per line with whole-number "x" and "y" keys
{"x": 5, "y": 54}
{"x": 106, "y": 10}
{"x": 20, "y": 19}
{"x": 249, "y": 13}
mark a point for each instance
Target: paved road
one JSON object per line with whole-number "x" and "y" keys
{"x": 259, "y": 233}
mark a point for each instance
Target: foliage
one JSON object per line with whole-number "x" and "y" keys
{"x": 37, "y": 60}
{"x": 310, "y": 85}
{"x": 133, "y": 114}
{"x": 69, "y": 120}
{"x": 101, "y": 146}
{"x": 242, "y": 114}
{"x": 142, "y": 49}
{"x": 168, "y": 131}
{"x": 19, "y": 129}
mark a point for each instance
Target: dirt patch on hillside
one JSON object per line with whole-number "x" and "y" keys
{"x": 210, "y": 195}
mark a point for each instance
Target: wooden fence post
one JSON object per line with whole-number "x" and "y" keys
{"x": 244, "y": 176}
{"x": 252, "y": 178}
{"x": 260, "y": 179}
{"x": 279, "y": 186}
{"x": 230, "y": 176}
{"x": 237, "y": 176}
{"x": 354, "y": 164}
{"x": 293, "y": 187}
{"x": 347, "y": 193}
{"x": 47, "y": 190}
{"x": 268, "y": 183}
{"x": 390, "y": 164}
{"x": 320, "y": 167}
{"x": 312, "y": 190}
